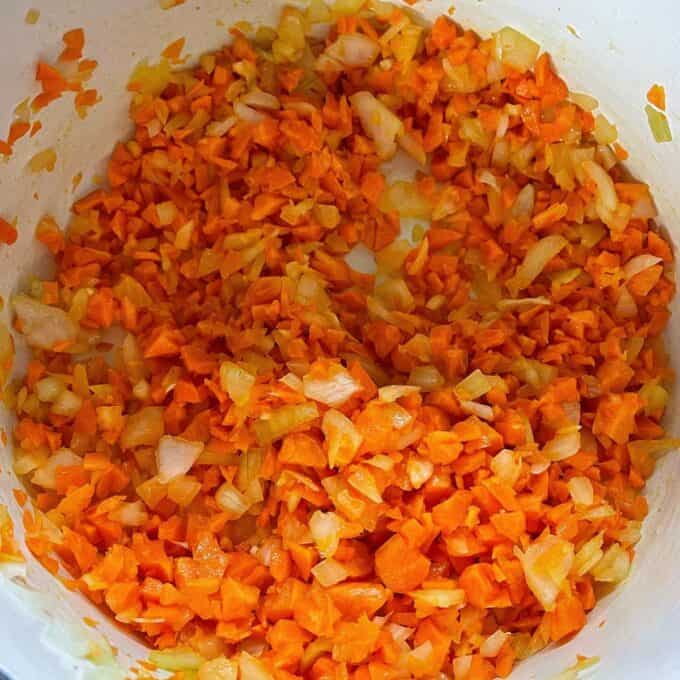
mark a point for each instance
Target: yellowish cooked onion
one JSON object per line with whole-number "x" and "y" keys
{"x": 614, "y": 565}
{"x": 565, "y": 444}
{"x": 283, "y": 420}
{"x": 581, "y": 490}
{"x": 236, "y": 382}
{"x": 334, "y": 389}
{"x": 175, "y": 456}
{"x": 143, "y": 428}
{"x": 330, "y": 572}
{"x": 325, "y": 528}
{"x": 638, "y": 264}
{"x": 43, "y": 325}
{"x": 473, "y": 386}
{"x": 380, "y": 124}
{"x": 546, "y": 564}
{"x": 342, "y": 438}
{"x": 350, "y": 50}
{"x": 535, "y": 261}
{"x": 252, "y": 669}
{"x": 516, "y": 49}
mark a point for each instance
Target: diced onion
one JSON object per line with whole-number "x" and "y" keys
{"x": 546, "y": 564}
{"x": 492, "y": 645}
{"x": 325, "y": 528}
{"x": 473, "y": 386}
{"x": 614, "y": 565}
{"x": 483, "y": 411}
{"x": 260, "y": 99}
{"x": 523, "y": 207}
{"x": 604, "y": 132}
{"x": 428, "y": 378}
{"x": 507, "y": 466}
{"x": 658, "y": 124}
{"x": 178, "y": 659}
{"x": 419, "y": 471}
{"x": 585, "y": 101}
{"x": 352, "y": 50}
{"x": 48, "y": 389}
{"x": 330, "y": 572}
{"x": 564, "y": 445}
{"x": 535, "y": 261}
{"x": 588, "y": 555}
{"x": 130, "y": 514}
{"x": 334, "y": 388}
{"x": 516, "y": 49}
{"x": 364, "y": 482}
{"x": 219, "y": 128}
{"x": 143, "y": 428}
{"x": 175, "y": 456}
{"x": 440, "y": 598}
{"x": 391, "y": 393}
{"x": 638, "y": 264}
{"x": 231, "y": 500}
{"x": 219, "y": 668}
{"x": 67, "y": 404}
{"x": 523, "y": 303}
{"x": 626, "y": 307}
{"x": 43, "y": 325}
{"x": 281, "y": 421}
{"x": 245, "y": 113}
{"x": 581, "y": 490}
{"x": 606, "y": 193}
{"x": 46, "y": 476}
{"x": 342, "y": 438}
{"x": 404, "y": 198}
{"x": 380, "y": 124}
{"x": 252, "y": 669}
{"x": 236, "y": 382}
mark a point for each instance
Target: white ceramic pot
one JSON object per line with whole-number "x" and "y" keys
{"x": 613, "y": 49}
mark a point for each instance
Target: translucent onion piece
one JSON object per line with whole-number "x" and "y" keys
{"x": 483, "y": 411}
{"x": 260, "y": 99}
{"x": 325, "y": 528}
{"x": 605, "y": 191}
{"x": 614, "y": 565}
{"x": 535, "y": 261}
{"x": 244, "y": 112}
{"x": 330, "y": 572}
{"x": 546, "y": 564}
{"x": 581, "y": 490}
{"x": 236, "y": 382}
{"x": 342, "y": 438}
{"x": 143, "y": 428}
{"x": 281, "y": 421}
{"x": 231, "y": 500}
{"x": 588, "y": 555}
{"x": 638, "y": 264}
{"x": 46, "y": 476}
{"x": 492, "y": 645}
{"x": 175, "y": 456}
{"x": 43, "y": 325}
{"x": 252, "y": 669}
{"x": 333, "y": 389}
{"x": 473, "y": 386}
{"x": 565, "y": 444}
{"x": 427, "y": 378}
{"x": 380, "y": 124}
{"x": 516, "y": 49}
{"x": 658, "y": 124}
{"x": 353, "y": 50}
{"x": 391, "y": 393}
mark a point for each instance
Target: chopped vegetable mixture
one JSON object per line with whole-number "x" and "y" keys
{"x": 271, "y": 464}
